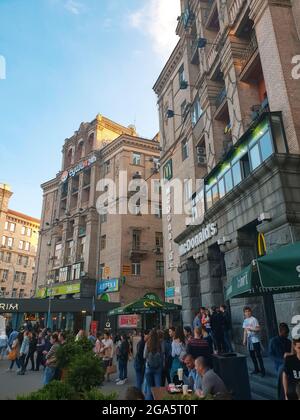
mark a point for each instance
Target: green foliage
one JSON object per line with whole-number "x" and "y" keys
{"x": 85, "y": 372}
{"x": 71, "y": 350}
{"x": 95, "y": 395}
{"x": 55, "y": 391}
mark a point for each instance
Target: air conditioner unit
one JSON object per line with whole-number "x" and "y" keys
{"x": 201, "y": 151}
{"x": 202, "y": 160}
{"x": 159, "y": 251}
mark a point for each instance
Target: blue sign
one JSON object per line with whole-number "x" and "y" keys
{"x": 170, "y": 292}
{"x": 108, "y": 286}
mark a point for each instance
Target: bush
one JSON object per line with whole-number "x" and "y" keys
{"x": 71, "y": 350}
{"x": 55, "y": 391}
{"x": 95, "y": 395}
{"x": 85, "y": 372}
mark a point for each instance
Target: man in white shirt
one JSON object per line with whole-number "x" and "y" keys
{"x": 252, "y": 341}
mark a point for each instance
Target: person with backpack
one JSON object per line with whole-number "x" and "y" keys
{"x": 153, "y": 354}
{"x": 178, "y": 354}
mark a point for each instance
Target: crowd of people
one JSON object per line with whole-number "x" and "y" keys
{"x": 159, "y": 355}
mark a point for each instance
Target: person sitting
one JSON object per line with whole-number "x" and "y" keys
{"x": 198, "y": 346}
{"x": 134, "y": 394}
{"x": 212, "y": 384}
{"x": 193, "y": 380}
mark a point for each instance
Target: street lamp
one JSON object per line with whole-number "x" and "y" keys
{"x": 49, "y": 323}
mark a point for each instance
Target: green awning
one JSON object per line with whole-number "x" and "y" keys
{"x": 275, "y": 273}
{"x": 149, "y": 304}
{"x": 281, "y": 269}
{"x": 245, "y": 284}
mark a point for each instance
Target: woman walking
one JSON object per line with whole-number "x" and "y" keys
{"x": 16, "y": 347}
{"x": 32, "y": 350}
{"x": 24, "y": 352}
{"x": 153, "y": 354}
{"x": 139, "y": 363}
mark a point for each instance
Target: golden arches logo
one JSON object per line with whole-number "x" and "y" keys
{"x": 262, "y": 245}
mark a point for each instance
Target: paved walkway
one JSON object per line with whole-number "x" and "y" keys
{"x": 12, "y": 385}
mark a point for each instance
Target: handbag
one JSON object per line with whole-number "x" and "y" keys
{"x": 110, "y": 370}
{"x": 12, "y": 355}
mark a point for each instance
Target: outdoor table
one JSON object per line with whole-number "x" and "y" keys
{"x": 159, "y": 394}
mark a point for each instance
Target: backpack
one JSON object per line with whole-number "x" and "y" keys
{"x": 154, "y": 361}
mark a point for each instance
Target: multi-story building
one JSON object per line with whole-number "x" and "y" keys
{"x": 229, "y": 116}
{"x": 19, "y": 238}
{"x": 79, "y": 245}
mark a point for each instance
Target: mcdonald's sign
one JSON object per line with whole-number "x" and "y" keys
{"x": 261, "y": 245}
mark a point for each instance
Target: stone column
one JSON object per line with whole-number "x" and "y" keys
{"x": 211, "y": 279}
{"x": 190, "y": 291}
{"x": 278, "y": 43}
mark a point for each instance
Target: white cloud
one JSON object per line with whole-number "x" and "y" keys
{"x": 158, "y": 19}
{"x": 74, "y": 7}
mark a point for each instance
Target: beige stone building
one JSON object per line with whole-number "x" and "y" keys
{"x": 78, "y": 245}
{"x": 19, "y": 238}
{"x": 229, "y": 115}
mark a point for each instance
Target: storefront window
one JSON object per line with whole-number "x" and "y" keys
{"x": 266, "y": 146}
{"x": 228, "y": 181}
{"x": 215, "y": 194}
{"x": 222, "y": 187}
{"x": 237, "y": 174}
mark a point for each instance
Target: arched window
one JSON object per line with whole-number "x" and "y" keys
{"x": 79, "y": 154}
{"x": 69, "y": 158}
{"x": 90, "y": 143}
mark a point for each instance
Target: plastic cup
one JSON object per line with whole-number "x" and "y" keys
{"x": 180, "y": 374}
{"x": 185, "y": 389}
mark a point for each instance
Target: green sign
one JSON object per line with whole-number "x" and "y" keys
{"x": 41, "y": 293}
{"x": 168, "y": 170}
{"x": 69, "y": 289}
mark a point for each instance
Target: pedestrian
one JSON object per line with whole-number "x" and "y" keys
{"x": 153, "y": 355}
{"x": 24, "y": 352}
{"x": 15, "y": 348}
{"x": 92, "y": 338}
{"x": 212, "y": 384}
{"x": 291, "y": 373}
{"x": 197, "y": 323}
{"x": 178, "y": 353}
{"x": 40, "y": 348}
{"x": 172, "y": 331}
{"x": 32, "y": 350}
{"x": 12, "y": 336}
{"x": 252, "y": 341}
{"x": 279, "y": 348}
{"x": 168, "y": 359}
{"x": 198, "y": 346}
{"x": 216, "y": 321}
{"x": 187, "y": 333}
{"x": 139, "y": 363}
{"x": 80, "y": 336}
{"x": 123, "y": 357}
{"x": 51, "y": 360}
{"x": 98, "y": 345}
{"x": 107, "y": 353}
{"x": 226, "y": 328}
{"x": 3, "y": 344}
{"x": 208, "y": 338}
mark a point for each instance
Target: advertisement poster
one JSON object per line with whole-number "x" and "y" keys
{"x": 129, "y": 321}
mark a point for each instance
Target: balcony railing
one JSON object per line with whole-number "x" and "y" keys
{"x": 194, "y": 51}
{"x": 187, "y": 18}
{"x": 235, "y": 9}
{"x": 249, "y": 51}
{"x": 222, "y": 95}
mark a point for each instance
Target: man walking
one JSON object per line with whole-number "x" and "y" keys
{"x": 252, "y": 341}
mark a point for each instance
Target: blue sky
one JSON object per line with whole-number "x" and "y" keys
{"x": 67, "y": 61}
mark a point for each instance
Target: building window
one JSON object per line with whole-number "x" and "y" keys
{"x": 6, "y": 226}
{"x": 26, "y": 261}
{"x": 76, "y": 272}
{"x": 136, "y": 240}
{"x": 107, "y": 167}
{"x": 158, "y": 210}
{"x": 8, "y": 257}
{"x": 82, "y": 248}
{"x": 12, "y": 227}
{"x": 255, "y": 157}
{"x": 185, "y": 149}
{"x": 137, "y": 158}
{"x": 183, "y": 110}
{"x": 103, "y": 242}
{"x": 196, "y": 111}
{"x": 29, "y": 232}
{"x": 63, "y": 274}
{"x": 27, "y": 246}
{"x": 10, "y": 242}
{"x": 187, "y": 190}
{"x": 136, "y": 269}
{"x": 23, "y": 278}
{"x": 159, "y": 268}
{"x": 1, "y": 256}
{"x": 159, "y": 242}
{"x": 103, "y": 218}
{"x": 4, "y": 275}
{"x": 17, "y": 276}
{"x": 3, "y": 292}
{"x": 181, "y": 75}
{"x": 14, "y": 293}
{"x": 58, "y": 252}
{"x": 21, "y": 293}
{"x": 23, "y": 230}
{"x": 21, "y": 245}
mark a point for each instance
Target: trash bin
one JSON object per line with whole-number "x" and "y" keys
{"x": 233, "y": 370}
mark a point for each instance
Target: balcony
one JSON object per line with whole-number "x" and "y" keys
{"x": 138, "y": 253}
{"x": 249, "y": 56}
{"x": 235, "y": 10}
{"x": 187, "y": 18}
{"x": 212, "y": 16}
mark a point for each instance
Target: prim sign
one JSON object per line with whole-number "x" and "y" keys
{"x": 9, "y": 307}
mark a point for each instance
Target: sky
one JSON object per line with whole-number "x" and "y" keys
{"x": 66, "y": 61}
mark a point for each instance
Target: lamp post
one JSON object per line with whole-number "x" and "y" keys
{"x": 49, "y": 322}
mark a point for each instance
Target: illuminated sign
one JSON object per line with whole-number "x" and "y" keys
{"x": 129, "y": 321}
{"x": 78, "y": 168}
{"x": 9, "y": 307}
{"x": 108, "y": 286}
{"x": 206, "y": 233}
